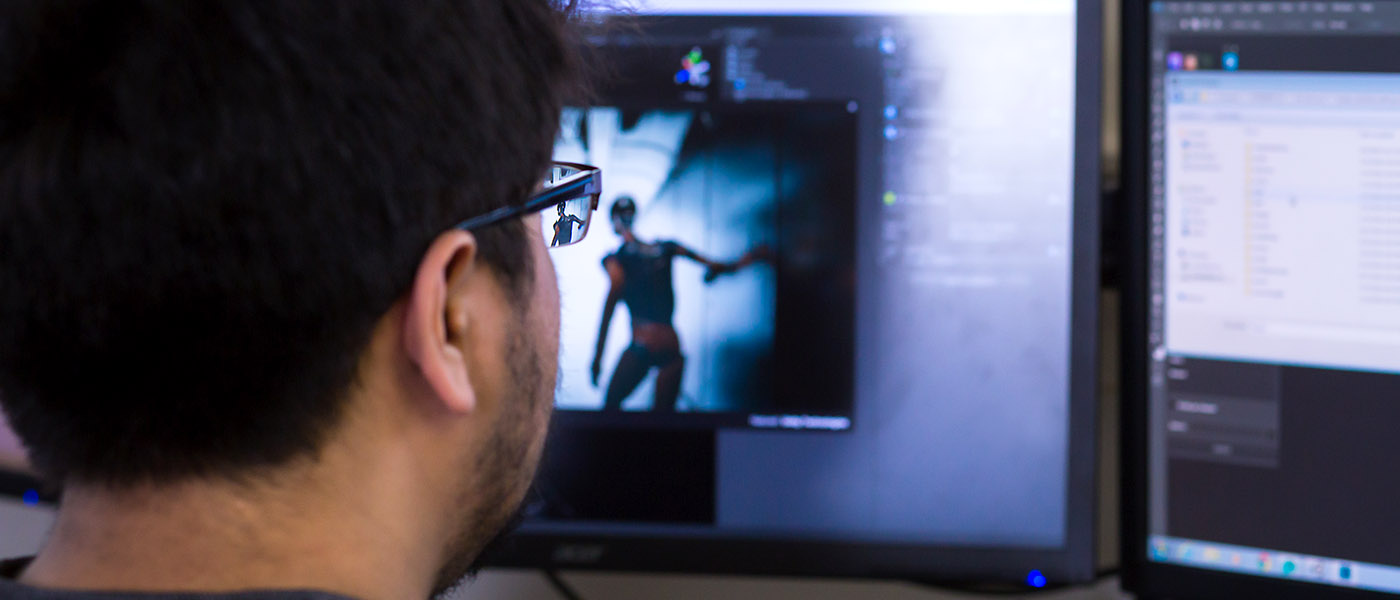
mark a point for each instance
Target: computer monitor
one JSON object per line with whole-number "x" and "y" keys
{"x": 854, "y": 333}
{"x": 1264, "y": 331}
{"x": 892, "y": 372}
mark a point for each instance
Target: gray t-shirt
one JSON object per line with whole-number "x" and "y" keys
{"x": 11, "y": 590}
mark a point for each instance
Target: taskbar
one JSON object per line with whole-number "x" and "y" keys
{"x": 702, "y": 420}
{"x": 1275, "y": 564}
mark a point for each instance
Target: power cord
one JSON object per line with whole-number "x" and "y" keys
{"x": 565, "y": 590}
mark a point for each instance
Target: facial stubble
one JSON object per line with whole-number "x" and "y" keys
{"x": 507, "y": 464}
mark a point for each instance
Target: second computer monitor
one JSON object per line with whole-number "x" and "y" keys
{"x": 1266, "y": 336}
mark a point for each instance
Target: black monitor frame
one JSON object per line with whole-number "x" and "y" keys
{"x": 1073, "y": 562}
{"x": 14, "y": 483}
{"x": 1150, "y": 580}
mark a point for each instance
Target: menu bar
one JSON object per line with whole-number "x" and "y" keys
{"x": 1363, "y": 18}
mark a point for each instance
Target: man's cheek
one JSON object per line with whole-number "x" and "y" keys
{"x": 547, "y": 300}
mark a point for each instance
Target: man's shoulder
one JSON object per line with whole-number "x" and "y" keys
{"x": 12, "y": 590}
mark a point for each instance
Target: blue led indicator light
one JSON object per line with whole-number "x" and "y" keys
{"x": 1036, "y": 579}
{"x": 31, "y": 497}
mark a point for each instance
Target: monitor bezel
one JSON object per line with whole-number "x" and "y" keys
{"x": 1074, "y": 561}
{"x": 1152, "y": 580}
{"x": 17, "y": 483}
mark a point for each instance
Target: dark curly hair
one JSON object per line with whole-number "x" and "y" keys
{"x": 205, "y": 207}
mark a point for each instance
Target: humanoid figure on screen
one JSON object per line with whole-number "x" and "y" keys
{"x": 564, "y": 228}
{"x": 640, "y": 276}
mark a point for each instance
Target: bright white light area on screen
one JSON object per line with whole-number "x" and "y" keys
{"x": 849, "y": 7}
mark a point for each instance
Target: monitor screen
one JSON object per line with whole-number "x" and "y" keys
{"x": 1273, "y": 333}
{"x": 721, "y": 259}
{"x": 838, "y": 295}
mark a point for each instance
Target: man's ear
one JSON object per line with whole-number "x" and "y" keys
{"x": 431, "y": 330}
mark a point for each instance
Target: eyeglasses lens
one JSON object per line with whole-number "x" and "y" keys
{"x": 567, "y": 223}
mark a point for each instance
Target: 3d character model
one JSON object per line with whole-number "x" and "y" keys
{"x": 640, "y": 276}
{"x": 564, "y": 228}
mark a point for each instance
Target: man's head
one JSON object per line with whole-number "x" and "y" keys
{"x": 222, "y": 247}
{"x": 623, "y": 214}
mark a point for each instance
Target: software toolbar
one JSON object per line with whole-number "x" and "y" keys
{"x": 1350, "y": 17}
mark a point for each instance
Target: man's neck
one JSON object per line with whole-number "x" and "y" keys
{"x": 204, "y": 536}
